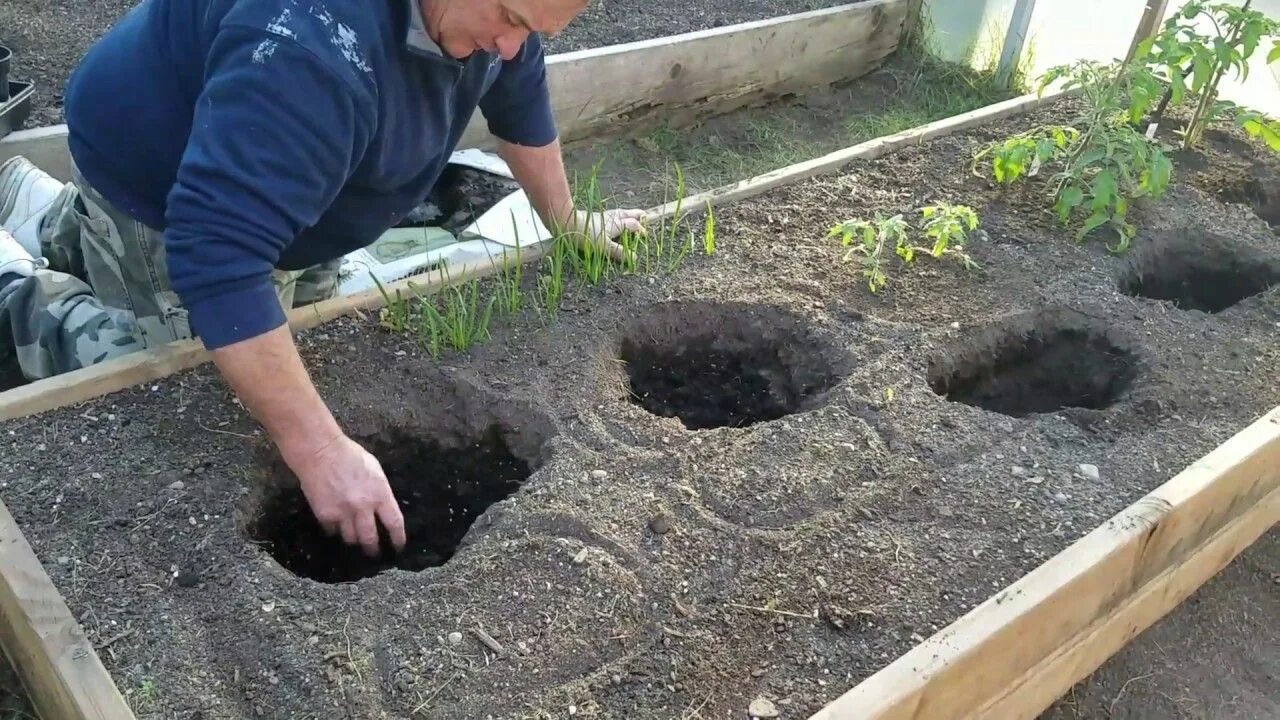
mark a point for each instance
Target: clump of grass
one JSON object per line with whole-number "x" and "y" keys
{"x": 510, "y": 293}
{"x": 550, "y": 287}
{"x": 709, "y": 231}
{"x": 394, "y": 313}
{"x": 460, "y": 322}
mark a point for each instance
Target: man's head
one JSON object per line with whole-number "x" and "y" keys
{"x": 461, "y": 27}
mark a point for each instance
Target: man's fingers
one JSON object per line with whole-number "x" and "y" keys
{"x": 367, "y": 533}
{"x": 392, "y": 519}
{"x": 349, "y": 535}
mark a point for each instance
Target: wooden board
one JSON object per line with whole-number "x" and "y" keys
{"x": 1015, "y": 654}
{"x": 672, "y": 79}
{"x": 47, "y": 647}
{"x": 1148, "y": 24}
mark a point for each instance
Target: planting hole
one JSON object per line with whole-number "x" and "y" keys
{"x": 1043, "y": 368}
{"x": 1260, "y": 194}
{"x": 727, "y": 365}
{"x": 441, "y": 490}
{"x": 1205, "y": 273}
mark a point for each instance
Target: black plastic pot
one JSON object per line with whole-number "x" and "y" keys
{"x": 6, "y": 56}
{"x": 15, "y": 111}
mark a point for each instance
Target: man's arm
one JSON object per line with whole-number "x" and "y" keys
{"x": 273, "y": 139}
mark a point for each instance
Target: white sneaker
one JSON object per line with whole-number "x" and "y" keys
{"x": 14, "y": 259}
{"x": 26, "y": 194}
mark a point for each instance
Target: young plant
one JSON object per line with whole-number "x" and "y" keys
{"x": 394, "y": 313}
{"x": 870, "y": 238}
{"x": 510, "y": 297}
{"x": 1106, "y": 163}
{"x": 709, "y": 231}
{"x": 1192, "y": 63}
{"x": 550, "y": 288}
{"x": 946, "y": 225}
{"x": 462, "y": 323}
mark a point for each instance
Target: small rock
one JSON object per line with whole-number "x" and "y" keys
{"x": 177, "y": 485}
{"x": 1018, "y": 471}
{"x": 617, "y": 679}
{"x": 96, "y": 476}
{"x": 945, "y": 511}
{"x": 64, "y": 560}
{"x": 455, "y": 638}
{"x": 761, "y": 709}
{"x": 660, "y": 524}
{"x": 599, "y": 474}
{"x": 581, "y": 557}
{"x": 1060, "y": 496}
{"x": 1090, "y": 471}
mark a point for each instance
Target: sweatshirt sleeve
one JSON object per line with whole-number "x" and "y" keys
{"x": 517, "y": 107}
{"x": 275, "y": 134}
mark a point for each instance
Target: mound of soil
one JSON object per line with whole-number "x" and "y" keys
{"x": 682, "y": 544}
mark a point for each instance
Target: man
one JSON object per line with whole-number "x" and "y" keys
{"x": 225, "y": 149}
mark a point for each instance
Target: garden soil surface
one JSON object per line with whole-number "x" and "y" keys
{"x": 750, "y": 481}
{"x": 49, "y": 37}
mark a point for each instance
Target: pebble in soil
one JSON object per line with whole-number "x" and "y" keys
{"x": 724, "y": 364}
{"x": 1037, "y": 363}
{"x": 441, "y": 491}
{"x": 1204, "y": 272}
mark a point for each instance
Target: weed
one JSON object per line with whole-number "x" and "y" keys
{"x": 510, "y": 295}
{"x": 1192, "y": 63}
{"x": 947, "y": 225}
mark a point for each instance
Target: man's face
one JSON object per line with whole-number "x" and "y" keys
{"x": 462, "y": 27}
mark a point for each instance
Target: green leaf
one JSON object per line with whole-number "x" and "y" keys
{"x": 1274, "y": 55}
{"x": 1144, "y": 48}
{"x": 1201, "y": 69}
{"x": 1178, "y": 84}
{"x": 1103, "y": 190}
{"x": 1068, "y": 200}
{"x": 1095, "y": 221}
{"x": 1155, "y": 178}
{"x": 1252, "y": 35}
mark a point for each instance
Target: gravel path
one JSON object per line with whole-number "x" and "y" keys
{"x": 48, "y": 37}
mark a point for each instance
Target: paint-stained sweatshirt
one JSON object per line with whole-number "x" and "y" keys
{"x": 280, "y": 133}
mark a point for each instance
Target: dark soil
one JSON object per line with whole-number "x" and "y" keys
{"x": 441, "y": 485}
{"x": 735, "y": 366}
{"x": 14, "y": 704}
{"x": 1214, "y": 658}
{"x": 48, "y": 37}
{"x": 1045, "y": 363}
{"x": 645, "y": 569}
{"x": 461, "y": 195}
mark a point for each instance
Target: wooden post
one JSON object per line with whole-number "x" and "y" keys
{"x": 1014, "y": 41}
{"x": 1148, "y": 25}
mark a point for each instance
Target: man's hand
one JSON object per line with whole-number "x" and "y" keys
{"x": 601, "y": 230}
{"x": 344, "y": 485}
{"x": 540, "y": 171}
{"x": 349, "y": 494}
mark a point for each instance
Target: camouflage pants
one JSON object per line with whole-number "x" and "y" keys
{"x": 106, "y": 292}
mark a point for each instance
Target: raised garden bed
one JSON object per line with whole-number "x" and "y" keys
{"x": 749, "y": 479}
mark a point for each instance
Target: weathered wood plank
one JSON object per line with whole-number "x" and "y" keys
{"x": 1012, "y": 656}
{"x": 674, "y": 79}
{"x": 45, "y": 644}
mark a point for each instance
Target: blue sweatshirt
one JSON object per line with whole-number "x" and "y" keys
{"x": 280, "y": 133}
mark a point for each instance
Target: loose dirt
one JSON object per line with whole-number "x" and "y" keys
{"x": 645, "y": 568}
{"x": 49, "y": 37}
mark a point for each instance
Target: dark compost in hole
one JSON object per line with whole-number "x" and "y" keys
{"x": 730, "y": 365}
{"x": 1202, "y": 272}
{"x": 1261, "y": 192}
{"x": 1041, "y": 369}
{"x": 441, "y": 491}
